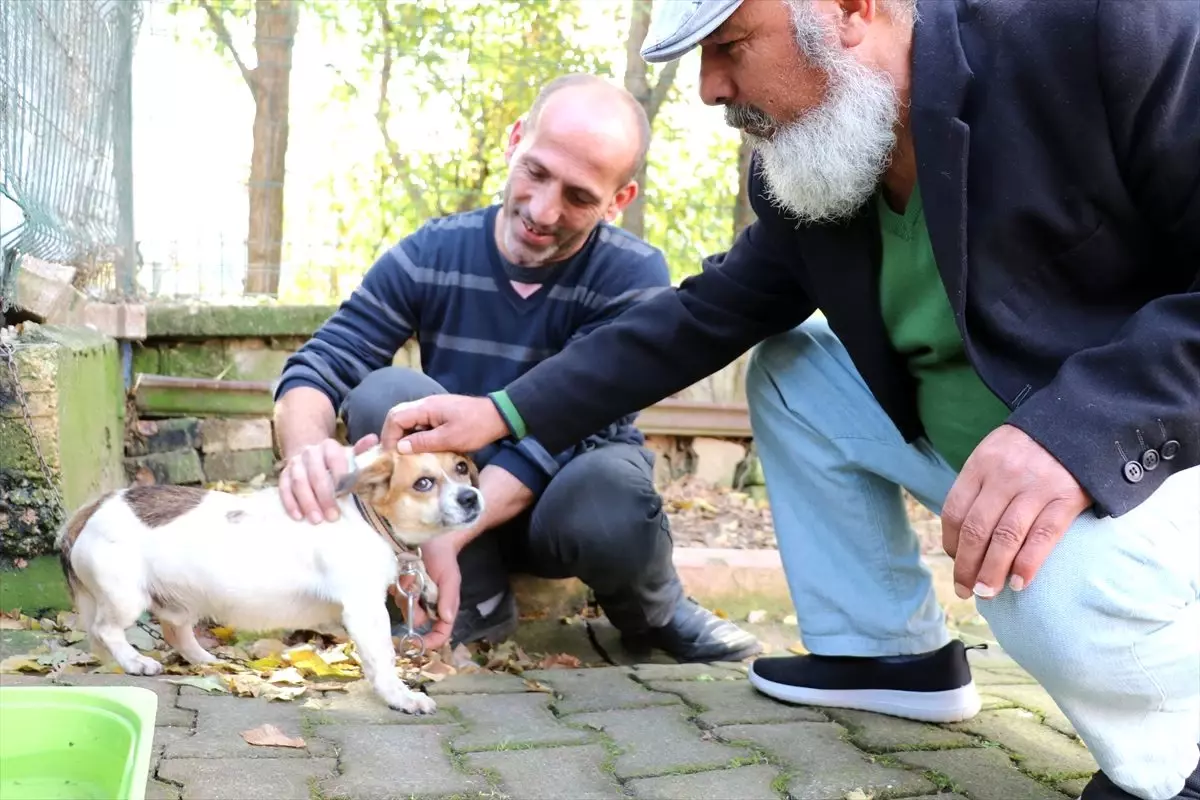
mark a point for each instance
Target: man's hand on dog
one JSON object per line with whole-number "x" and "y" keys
{"x": 1011, "y": 504}
{"x": 443, "y": 423}
{"x": 307, "y": 481}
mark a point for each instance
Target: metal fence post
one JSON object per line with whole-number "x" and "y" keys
{"x": 122, "y": 112}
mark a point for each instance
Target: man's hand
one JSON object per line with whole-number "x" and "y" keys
{"x": 307, "y": 481}
{"x": 1011, "y": 504}
{"x": 443, "y": 423}
{"x": 440, "y": 557}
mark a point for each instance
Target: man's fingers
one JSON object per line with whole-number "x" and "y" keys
{"x": 317, "y": 466}
{"x": 438, "y": 636}
{"x": 448, "y": 594}
{"x": 403, "y": 417}
{"x": 438, "y": 440}
{"x": 1044, "y": 533}
{"x": 1008, "y": 535}
{"x": 961, "y": 496}
{"x": 285, "y": 493}
{"x": 975, "y": 534}
{"x": 365, "y": 443}
{"x": 303, "y": 493}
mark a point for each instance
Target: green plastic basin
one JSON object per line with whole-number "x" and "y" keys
{"x": 75, "y": 742}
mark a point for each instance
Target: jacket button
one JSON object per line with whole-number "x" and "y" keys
{"x": 1133, "y": 472}
{"x": 1169, "y": 449}
{"x": 1150, "y": 459}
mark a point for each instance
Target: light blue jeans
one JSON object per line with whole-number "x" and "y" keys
{"x": 1110, "y": 625}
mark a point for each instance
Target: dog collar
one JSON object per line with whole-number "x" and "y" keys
{"x": 384, "y": 529}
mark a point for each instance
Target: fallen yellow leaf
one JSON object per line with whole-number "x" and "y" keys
{"x": 17, "y": 664}
{"x": 266, "y": 664}
{"x": 226, "y": 635}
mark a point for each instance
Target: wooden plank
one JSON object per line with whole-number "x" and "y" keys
{"x": 201, "y": 397}
{"x": 163, "y": 395}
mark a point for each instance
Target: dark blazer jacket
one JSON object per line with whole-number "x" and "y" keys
{"x": 1058, "y": 149}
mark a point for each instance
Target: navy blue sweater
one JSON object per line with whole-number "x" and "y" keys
{"x": 446, "y": 285}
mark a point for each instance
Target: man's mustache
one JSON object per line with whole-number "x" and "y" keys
{"x": 750, "y": 118}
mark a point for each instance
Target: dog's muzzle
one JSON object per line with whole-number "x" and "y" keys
{"x": 465, "y": 507}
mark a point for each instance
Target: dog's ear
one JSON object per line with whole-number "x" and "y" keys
{"x": 473, "y": 472}
{"x": 371, "y": 481}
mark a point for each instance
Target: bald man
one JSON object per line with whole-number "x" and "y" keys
{"x": 489, "y": 293}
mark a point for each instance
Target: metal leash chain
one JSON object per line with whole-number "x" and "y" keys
{"x": 411, "y": 635}
{"x": 10, "y": 359}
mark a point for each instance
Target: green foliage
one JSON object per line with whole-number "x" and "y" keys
{"x": 469, "y": 69}
{"x": 456, "y": 75}
{"x": 439, "y": 83}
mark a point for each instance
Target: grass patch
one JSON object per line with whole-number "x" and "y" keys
{"x": 942, "y": 781}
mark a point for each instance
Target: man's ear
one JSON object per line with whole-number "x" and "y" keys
{"x": 515, "y": 134}
{"x": 621, "y": 200}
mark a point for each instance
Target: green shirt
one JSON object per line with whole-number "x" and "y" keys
{"x": 956, "y": 408}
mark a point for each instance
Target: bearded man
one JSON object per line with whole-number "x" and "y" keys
{"x": 996, "y": 205}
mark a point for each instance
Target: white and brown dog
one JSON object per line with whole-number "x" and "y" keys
{"x": 189, "y": 554}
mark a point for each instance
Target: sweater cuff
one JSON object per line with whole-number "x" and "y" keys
{"x": 509, "y": 413}
{"x": 520, "y": 467}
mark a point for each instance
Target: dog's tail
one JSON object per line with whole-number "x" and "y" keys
{"x": 67, "y": 537}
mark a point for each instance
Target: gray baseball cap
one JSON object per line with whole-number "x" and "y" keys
{"x": 677, "y": 26}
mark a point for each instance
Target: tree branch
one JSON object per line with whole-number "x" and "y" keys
{"x": 659, "y": 95}
{"x": 222, "y": 32}
{"x": 383, "y": 114}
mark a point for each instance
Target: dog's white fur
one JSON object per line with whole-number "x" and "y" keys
{"x": 241, "y": 561}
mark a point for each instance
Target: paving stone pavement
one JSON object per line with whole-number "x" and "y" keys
{"x": 641, "y": 731}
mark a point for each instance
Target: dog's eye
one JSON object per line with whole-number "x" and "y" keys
{"x": 423, "y": 484}
{"x": 461, "y": 468}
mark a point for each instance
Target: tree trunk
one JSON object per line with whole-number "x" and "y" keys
{"x": 743, "y": 214}
{"x": 637, "y": 82}
{"x": 275, "y": 24}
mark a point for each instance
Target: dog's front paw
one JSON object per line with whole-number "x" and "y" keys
{"x": 417, "y": 703}
{"x": 142, "y": 665}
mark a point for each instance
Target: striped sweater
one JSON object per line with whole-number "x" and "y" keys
{"x": 445, "y": 284}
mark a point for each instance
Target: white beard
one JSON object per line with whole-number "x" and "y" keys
{"x": 826, "y": 164}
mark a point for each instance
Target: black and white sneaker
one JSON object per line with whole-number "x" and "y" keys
{"x": 931, "y": 687}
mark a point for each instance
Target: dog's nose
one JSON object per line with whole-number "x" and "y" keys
{"x": 468, "y": 499}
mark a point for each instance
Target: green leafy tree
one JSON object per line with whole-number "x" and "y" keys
{"x": 472, "y": 67}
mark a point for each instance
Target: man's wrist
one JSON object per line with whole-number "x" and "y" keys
{"x": 509, "y": 414}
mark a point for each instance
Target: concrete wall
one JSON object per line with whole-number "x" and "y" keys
{"x": 73, "y": 389}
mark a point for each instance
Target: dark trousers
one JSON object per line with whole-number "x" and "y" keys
{"x": 600, "y": 520}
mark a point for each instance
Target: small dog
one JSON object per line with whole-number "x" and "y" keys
{"x": 189, "y": 554}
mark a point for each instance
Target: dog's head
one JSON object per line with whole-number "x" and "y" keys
{"x": 422, "y": 495}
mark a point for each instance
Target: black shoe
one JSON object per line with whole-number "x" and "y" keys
{"x": 472, "y": 626}
{"x": 695, "y": 634}
{"x": 1101, "y": 787}
{"x": 932, "y": 687}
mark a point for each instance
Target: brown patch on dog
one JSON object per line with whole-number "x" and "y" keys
{"x": 472, "y": 471}
{"x": 75, "y": 526}
{"x": 158, "y": 505}
{"x": 235, "y": 516}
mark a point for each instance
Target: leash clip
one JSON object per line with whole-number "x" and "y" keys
{"x": 411, "y": 635}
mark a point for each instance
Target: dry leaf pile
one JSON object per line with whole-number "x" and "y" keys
{"x": 703, "y": 515}
{"x": 271, "y": 668}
